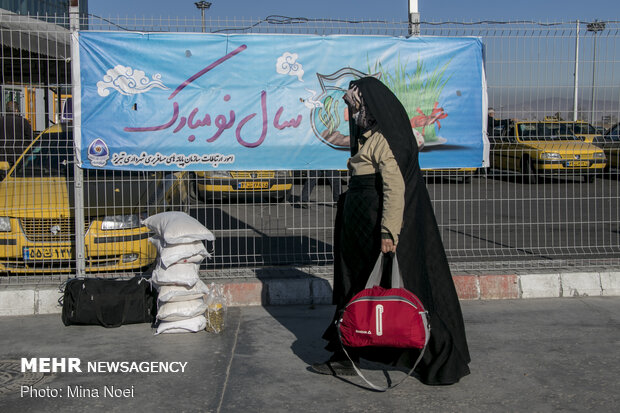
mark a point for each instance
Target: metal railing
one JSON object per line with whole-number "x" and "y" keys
{"x": 502, "y": 218}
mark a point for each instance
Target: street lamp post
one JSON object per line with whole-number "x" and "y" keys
{"x": 203, "y": 5}
{"x": 594, "y": 27}
{"x": 414, "y": 18}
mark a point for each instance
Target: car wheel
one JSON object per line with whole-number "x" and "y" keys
{"x": 528, "y": 172}
{"x": 204, "y": 195}
{"x": 280, "y": 196}
{"x": 589, "y": 178}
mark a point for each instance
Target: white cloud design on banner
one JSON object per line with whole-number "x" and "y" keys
{"x": 287, "y": 65}
{"x": 128, "y": 81}
{"x": 311, "y": 102}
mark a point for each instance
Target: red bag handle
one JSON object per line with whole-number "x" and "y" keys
{"x": 375, "y": 276}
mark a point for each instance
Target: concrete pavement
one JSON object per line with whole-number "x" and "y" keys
{"x": 534, "y": 355}
{"x": 312, "y": 286}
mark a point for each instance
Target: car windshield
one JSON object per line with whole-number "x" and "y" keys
{"x": 538, "y": 131}
{"x": 614, "y": 133}
{"x": 583, "y": 129}
{"x": 50, "y": 156}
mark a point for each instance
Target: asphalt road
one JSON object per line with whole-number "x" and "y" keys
{"x": 490, "y": 218}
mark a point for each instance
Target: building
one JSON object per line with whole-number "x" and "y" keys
{"x": 44, "y": 9}
{"x": 35, "y": 60}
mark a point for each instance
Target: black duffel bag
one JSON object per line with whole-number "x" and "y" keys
{"x": 108, "y": 302}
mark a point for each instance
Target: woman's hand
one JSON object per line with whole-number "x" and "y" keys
{"x": 387, "y": 245}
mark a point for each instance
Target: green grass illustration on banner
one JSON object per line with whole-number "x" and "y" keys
{"x": 419, "y": 93}
{"x": 329, "y": 116}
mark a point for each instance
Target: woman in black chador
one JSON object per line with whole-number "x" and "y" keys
{"x": 387, "y": 208}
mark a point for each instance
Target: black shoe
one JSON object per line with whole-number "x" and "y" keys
{"x": 334, "y": 368}
{"x": 302, "y": 205}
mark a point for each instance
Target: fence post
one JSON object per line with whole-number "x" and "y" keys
{"x": 78, "y": 185}
{"x": 576, "y": 87}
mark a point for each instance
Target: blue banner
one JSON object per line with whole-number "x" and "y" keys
{"x": 170, "y": 101}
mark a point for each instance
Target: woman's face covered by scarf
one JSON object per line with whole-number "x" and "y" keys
{"x": 358, "y": 109}
{"x": 388, "y": 116}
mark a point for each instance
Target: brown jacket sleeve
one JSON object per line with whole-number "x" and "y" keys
{"x": 393, "y": 186}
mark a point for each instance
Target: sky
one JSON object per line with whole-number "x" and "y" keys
{"x": 390, "y": 10}
{"x": 557, "y": 65}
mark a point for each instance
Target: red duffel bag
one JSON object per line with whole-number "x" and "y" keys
{"x": 384, "y": 317}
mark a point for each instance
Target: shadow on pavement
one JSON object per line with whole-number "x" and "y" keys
{"x": 308, "y": 324}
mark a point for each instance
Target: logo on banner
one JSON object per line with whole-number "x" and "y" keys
{"x": 98, "y": 153}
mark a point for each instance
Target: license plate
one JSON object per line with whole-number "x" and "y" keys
{"x": 578, "y": 163}
{"x": 253, "y": 185}
{"x": 46, "y": 253}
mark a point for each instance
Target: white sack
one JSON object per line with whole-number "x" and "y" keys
{"x": 177, "y": 274}
{"x": 175, "y": 227}
{"x": 172, "y": 293}
{"x": 186, "y": 253}
{"x": 190, "y": 325}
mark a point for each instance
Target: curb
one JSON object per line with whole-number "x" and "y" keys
{"x": 18, "y": 300}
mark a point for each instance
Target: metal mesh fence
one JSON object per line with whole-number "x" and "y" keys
{"x": 534, "y": 209}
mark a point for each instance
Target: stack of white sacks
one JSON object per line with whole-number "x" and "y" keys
{"x": 182, "y": 299}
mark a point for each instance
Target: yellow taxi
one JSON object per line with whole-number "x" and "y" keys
{"x": 609, "y": 142}
{"x": 37, "y": 212}
{"x": 583, "y": 130}
{"x": 537, "y": 149}
{"x": 263, "y": 183}
{"x": 463, "y": 175}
